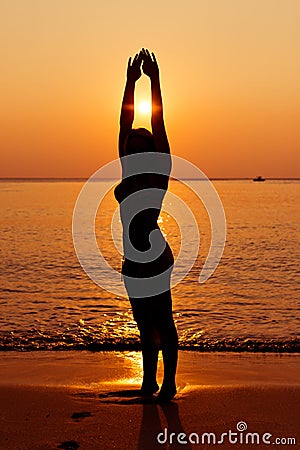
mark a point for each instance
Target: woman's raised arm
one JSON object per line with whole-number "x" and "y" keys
{"x": 127, "y": 109}
{"x": 150, "y": 68}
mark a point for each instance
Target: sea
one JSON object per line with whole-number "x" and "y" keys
{"x": 250, "y": 302}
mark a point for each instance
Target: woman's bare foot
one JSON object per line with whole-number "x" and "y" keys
{"x": 166, "y": 394}
{"x": 149, "y": 389}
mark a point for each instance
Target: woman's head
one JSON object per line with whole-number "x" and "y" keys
{"x": 139, "y": 140}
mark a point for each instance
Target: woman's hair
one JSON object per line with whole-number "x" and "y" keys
{"x": 139, "y": 140}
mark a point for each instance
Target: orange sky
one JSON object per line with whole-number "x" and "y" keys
{"x": 230, "y": 74}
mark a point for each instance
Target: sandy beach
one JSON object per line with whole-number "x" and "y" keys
{"x": 85, "y": 400}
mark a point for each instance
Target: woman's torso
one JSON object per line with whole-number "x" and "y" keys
{"x": 140, "y": 197}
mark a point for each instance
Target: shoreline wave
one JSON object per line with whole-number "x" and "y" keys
{"x": 235, "y": 345}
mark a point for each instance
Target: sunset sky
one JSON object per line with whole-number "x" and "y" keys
{"x": 230, "y": 72}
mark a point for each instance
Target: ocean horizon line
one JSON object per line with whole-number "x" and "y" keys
{"x": 82, "y": 179}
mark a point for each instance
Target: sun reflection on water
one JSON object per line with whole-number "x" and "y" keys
{"x": 132, "y": 363}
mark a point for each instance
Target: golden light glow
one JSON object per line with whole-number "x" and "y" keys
{"x": 145, "y": 107}
{"x": 60, "y": 97}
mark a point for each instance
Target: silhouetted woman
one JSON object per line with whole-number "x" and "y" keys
{"x": 153, "y": 313}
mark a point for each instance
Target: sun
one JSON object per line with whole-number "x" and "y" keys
{"x": 144, "y": 107}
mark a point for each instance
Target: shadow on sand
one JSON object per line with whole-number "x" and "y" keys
{"x": 155, "y": 418}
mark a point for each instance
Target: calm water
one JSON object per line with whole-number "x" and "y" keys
{"x": 251, "y": 302}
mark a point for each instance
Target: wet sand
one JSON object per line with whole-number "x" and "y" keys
{"x": 88, "y": 400}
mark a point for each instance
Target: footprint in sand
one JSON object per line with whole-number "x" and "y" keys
{"x": 77, "y": 416}
{"x": 85, "y": 394}
{"x": 69, "y": 445}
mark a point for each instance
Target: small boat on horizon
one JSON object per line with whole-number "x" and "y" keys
{"x": 259, "y": 178}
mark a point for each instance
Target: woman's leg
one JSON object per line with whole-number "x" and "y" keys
{"x": 169, "y": 345}
{"x": 150, "y": 344}
{"x": 150, "y": 349}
